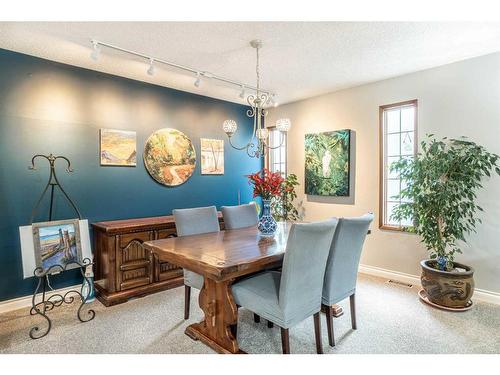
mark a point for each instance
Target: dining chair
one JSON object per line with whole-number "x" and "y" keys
{"x": 342, "y": 267}
{"x": 242, "y": 216}
{"x": 189, "y": 221}
{"x": 294, "y": 294}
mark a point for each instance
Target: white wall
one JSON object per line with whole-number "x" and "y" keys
{"x": 453, "y": 100}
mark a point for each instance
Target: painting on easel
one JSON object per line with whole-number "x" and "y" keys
{"x": 57, "y": 243}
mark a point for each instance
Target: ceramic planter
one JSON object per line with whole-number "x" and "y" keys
{"x": 451, "y": 289}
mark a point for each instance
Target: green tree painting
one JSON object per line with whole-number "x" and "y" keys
{"x": 327, "y": 163}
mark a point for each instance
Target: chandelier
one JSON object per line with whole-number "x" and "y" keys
{"x": 258, "y": 102}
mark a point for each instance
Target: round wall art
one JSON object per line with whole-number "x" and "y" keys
{"x": 169, "y": 156}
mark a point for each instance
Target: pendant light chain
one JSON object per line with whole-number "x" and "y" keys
{"x": 257, "y": 70}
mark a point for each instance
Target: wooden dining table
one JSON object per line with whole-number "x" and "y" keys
{"x": 222, "y": 257}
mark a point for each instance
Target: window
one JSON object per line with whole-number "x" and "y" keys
{"x": 398, "y": 139}
{"x": 276, "y": 158}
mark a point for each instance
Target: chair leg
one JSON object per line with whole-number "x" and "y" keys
{"x": 270, "y": 324}
{"x": 256, "y": 318}
{"x": 352, "y": 301}
{"x": 285, "y": 340}
{"x": 329, "y": 325}
{"x": 187, "y": 301}
{"x": 317, "y": 333}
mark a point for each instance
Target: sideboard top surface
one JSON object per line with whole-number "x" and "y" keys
{"x": 139, "y": 224}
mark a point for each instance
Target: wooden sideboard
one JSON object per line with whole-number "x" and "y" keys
{"x": 124, "y": 269}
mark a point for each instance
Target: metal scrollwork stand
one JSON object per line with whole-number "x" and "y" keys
{"x": 55, "y": 300}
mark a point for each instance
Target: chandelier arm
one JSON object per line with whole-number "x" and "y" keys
{"x": 275, "y": 147}
{"x": 240, "y": 148}
{"x": 255, "y": 125}
{"x": 255, "y": 153}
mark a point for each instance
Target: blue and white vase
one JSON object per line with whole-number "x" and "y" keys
{"x": 267, "y": 225}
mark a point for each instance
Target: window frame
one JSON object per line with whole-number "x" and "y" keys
{"x": 268, "y": 153}
{"x": 382, "y": 158}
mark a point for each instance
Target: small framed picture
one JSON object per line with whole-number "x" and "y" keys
{"x": 118, "y": 148}
{"x": 57, "y": 243}
{"x": 212, "y": 156}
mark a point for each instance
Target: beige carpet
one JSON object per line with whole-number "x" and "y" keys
{"x": 391, "y": 319}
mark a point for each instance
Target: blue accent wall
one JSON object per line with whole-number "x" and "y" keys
{"x": 47, "y": 107}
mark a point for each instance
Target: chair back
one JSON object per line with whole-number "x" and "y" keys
{"x": 304, "y": 265}
{"x": 198, "y": 220}
{"x": 343, "y": 261}
{"x": 241, "y": 216}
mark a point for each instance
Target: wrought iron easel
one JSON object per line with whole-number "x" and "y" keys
{"x": 52, "y": 183}
{"x": 55, "y": 300}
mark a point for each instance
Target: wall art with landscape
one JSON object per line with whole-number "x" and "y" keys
{"x": 212, "y": 156}
{"x": 169, "y": 156}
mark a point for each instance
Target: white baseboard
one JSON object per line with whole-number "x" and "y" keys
{"x": 479, "y": 294}
{"x": 24, "y": 302}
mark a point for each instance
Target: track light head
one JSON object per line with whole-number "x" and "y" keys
{"x": 242, "y": 93}
{"x": 151, "y": 69}
{"x": 96, "y": 51}
{"x": 198, "y": 80}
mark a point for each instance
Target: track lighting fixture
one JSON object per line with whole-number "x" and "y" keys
{"x": 154, "y": 63}
{"x": 96, "y": 51}
{"x": 151, "y": 69}
{"x": 242, "y": 93}
{"x": 198, "y": 80}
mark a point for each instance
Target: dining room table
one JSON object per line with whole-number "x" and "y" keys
{"x": 222, "y": 258}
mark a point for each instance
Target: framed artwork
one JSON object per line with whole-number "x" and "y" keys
{"x": 212, "y": 156}
{"x": 57, "y": 242}
{"x": 327, "y": 163}
{"x": 169, "y": 156}
{"x": 118, "y": 147}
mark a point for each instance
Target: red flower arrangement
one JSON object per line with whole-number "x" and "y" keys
{"x": 266, "y": 184}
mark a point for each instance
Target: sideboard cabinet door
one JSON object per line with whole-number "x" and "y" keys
{"x": 165, "y": 270}
{"x": 134, "y": 262}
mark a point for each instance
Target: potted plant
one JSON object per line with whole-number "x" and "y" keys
{"x": 440, "y": 197}
{"x": 267, "y": 185}
{"x": 282, "y": 207}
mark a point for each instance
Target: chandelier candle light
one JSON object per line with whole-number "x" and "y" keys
{"x": 258, "y": 102}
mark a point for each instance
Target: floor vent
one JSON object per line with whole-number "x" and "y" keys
{"x": 399, "y": 283}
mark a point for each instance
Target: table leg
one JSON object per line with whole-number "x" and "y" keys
{"x": 217, "y": 330}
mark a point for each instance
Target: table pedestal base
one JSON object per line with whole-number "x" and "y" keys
{"x": 193, "y": 332}
{"x": 218, "y": 328}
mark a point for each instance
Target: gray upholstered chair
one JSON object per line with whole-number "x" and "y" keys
{"x": 288, "y": 297}
{"x": 189, "y": 221}
{"x": 241, "y": 216}
{"x": 342, "y": 267}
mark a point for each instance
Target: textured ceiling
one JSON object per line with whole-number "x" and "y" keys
{"x": 299, "y": 59}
